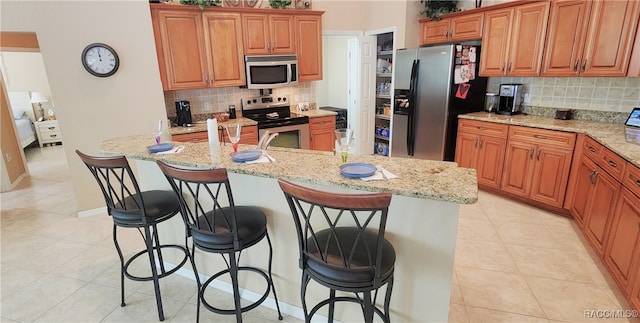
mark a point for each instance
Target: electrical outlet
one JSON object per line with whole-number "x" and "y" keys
{"x": 207, "y": 106}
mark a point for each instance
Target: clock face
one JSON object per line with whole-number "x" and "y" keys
{"x": 100, "y": 60}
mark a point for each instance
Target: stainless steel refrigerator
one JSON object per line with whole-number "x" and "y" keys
{"x": 433, "y": 85}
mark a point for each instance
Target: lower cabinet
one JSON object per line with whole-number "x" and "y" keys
{"x": 622, "y": 253}
{"x": 481, "y": 145}
{"x": 538, "y": 163}
{"x": 322, "y": 132}
{"x": 248, "y": 136}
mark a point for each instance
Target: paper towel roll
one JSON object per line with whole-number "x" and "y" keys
{"x": 212, "y": 131}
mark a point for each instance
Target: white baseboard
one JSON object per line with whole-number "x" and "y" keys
{"x": 93, "y": 212}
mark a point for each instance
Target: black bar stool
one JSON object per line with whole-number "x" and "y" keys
{"x": 131, "y": 208}
{"x": 342, "y": 246}
{"x": 225, "y": 230}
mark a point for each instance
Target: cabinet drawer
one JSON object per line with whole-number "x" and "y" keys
{"x": 51, "y": 136}
{"x": 483, "y": 128}
{"x": 48, "y": 128}
{"x": 612, "y": 164}
{"x": 322, "y": 122}
{"x": 553, "y": 138}
{"x": 191, "y": 137}
{"x": 591, "y": 148}
{"x": 631, "y": 179}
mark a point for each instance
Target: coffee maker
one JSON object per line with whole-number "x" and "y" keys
{"x": 183, "y": 113}
{"x": 511, "y": 98}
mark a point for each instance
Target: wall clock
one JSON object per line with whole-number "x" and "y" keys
{"x": 100, "y": 59}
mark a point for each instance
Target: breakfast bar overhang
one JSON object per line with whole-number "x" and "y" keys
{"x": 422, "y": 223}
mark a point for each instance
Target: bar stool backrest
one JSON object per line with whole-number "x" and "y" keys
{"x": 206, "y": 204}
{"x": 119, "y": 188}
{"x": 318, "y": 212}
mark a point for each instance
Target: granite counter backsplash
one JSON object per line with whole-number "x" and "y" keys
{"x": 578, "y": 114}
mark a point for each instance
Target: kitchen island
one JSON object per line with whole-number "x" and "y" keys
{"x": 422, "y": 222}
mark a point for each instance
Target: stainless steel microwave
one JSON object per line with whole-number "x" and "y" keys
{"x": 271, "y": 71}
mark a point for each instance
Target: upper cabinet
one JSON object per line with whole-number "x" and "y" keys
{"x": 590, "y": 38}
{"x": 186, "y": 41}
{"x": 513, "y": 40}
{"x": 205, "y": 48}
{"x": 268, "y": 34}
{"x": 308, "y": 36}
{"x": 461, "y": 27}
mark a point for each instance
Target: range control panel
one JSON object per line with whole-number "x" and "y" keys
{"x": 261, "y": 102}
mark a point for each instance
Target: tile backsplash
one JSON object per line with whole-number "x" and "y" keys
{"x": 614, "y": 94}
{"x": 219, "y": 99}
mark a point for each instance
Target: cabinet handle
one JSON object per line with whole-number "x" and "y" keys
{"x": 51, "y": 128}
{"x": 638, "y": 182}
{"x": 591, "y": 149}
{"x": 53, "y": 136}
{"x": 538, "y": 155}
{"x": 592, "y": 177}
{"x": 481, "y": 128}
{"x": 509, "y": 67}
{"x": 480, "y": 143}
{"x": 612, "y": 163}
{"x": 584, "y": 65}
{"x": 540, "y": 137}
{"x": 575, "y": 66}
{"x": 476, "y": 146}
{"x": 532, "y": 151}
{"x": 502, "y": 67}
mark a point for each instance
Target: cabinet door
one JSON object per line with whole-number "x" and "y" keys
{"x": 281, "y": 34}
{"x": 255, "y": 34}
{"x": 201, "y": 136}
{"x": 527, "y": 39}
{"x": 490, "y": 161}
{"x": 322, "y": 132}
{"x": 466, "y": 149}
{"x": 550, "y": 174}
{"x": 495, "y": 42}
{"x": 466, "y": 27}
{"x": 601, "y": 207}
{"x": 565, "y": 37}
{"x": 309, "y": 44}
{"x": 623, "y": 246}
{"x": 434, "y": 32}
{"x": 634, "y": 299}
{"x": 582, "y": 189}
{"x": 184, "y": 54}
{"x": 610, "y": 38}
{"x": 224, "y": 49}
{"x": 518, "y": 165}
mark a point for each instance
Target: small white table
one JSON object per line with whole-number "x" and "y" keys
{"x": 48, "y": 132}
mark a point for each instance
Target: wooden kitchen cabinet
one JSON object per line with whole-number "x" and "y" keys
{"x": 308, "y": 35}
{"x": 481, "y": 145}
{"x": 268, "y": 34}
{"x": 451, "y": 29}
{"x": 590, "y": 38}
{"x": 513, "y": 40}
{"x": 198, "y": 49}
{"x": 248, "y": 136}
{"x": 322, "y": 132}
{"x": 537, "y": 164}
{"x": 622, "y": 252}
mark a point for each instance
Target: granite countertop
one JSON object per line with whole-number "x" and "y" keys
{"x": 610, "y": 135}
{"x": 314, "y": 113}
{"x": 434, "y": 180}
{"x": 202, "y": 126}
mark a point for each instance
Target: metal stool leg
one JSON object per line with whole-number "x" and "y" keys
{"x": 154, "y": 271}
{"x": 367, "y": 307}
{"x": 115, "y": 242}
{"x": 273, "y": 287}
{"x": 233, "y": 271}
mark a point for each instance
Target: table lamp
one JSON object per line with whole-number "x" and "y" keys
{"x": 37, "y": 97}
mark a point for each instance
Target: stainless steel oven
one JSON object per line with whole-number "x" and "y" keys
{"x": 294, "y": 136}
{"x": 273, "y": 114}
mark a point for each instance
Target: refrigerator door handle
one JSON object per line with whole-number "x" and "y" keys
{"x": 413, "y": 86}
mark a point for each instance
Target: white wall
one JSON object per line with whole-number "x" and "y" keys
{"x": 91, "y": 109}
{"x": 333, "y": 89}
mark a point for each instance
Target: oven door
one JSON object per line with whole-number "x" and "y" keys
{"x": 293, "y": 136}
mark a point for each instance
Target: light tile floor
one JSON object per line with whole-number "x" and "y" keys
{"x": 513, "y": 263}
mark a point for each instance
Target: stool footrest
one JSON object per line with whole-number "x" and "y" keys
{"x": 163, "y": 274}
{"x": 233, "y": 311}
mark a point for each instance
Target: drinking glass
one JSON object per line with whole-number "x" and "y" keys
{"x": 344, "y": 137}
{"x": 233, "y": 131}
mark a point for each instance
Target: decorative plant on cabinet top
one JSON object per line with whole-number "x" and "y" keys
{"x": 279, "y": 4}
{"x": 202, "y": 3}
{"x": 433, "y": 9}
